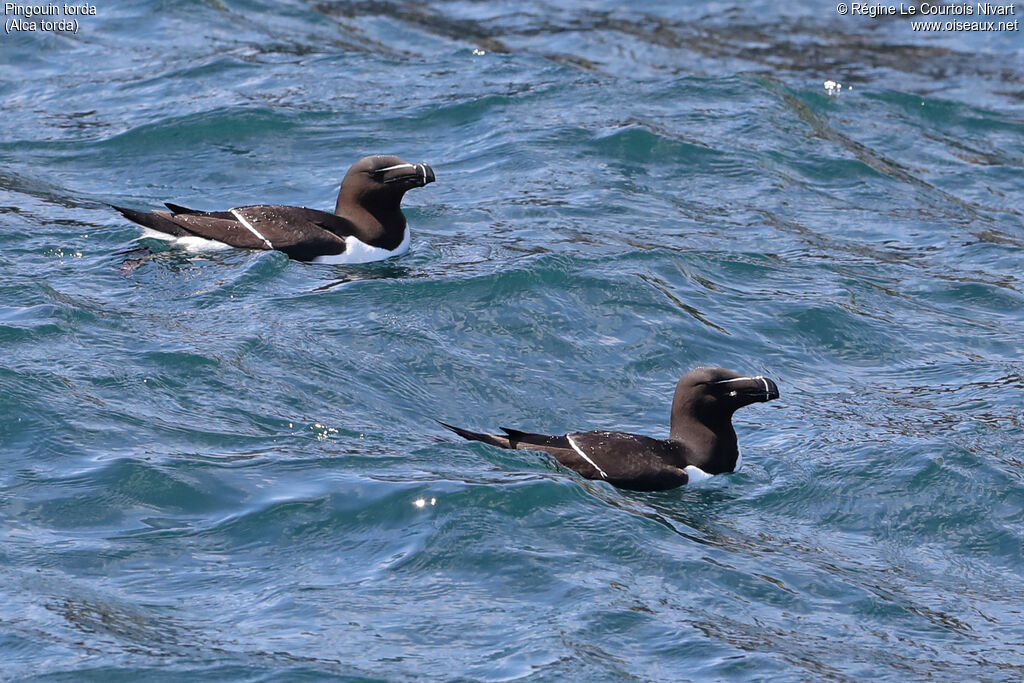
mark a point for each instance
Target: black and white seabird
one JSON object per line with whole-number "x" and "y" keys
{"x": 701, "y": 441}
{"x": 367, "y": 223}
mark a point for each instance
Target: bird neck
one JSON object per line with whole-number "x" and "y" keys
{"x": 377, "y": 223}
{"x": 711, "y": 447}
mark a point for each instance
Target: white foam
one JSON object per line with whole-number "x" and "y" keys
{"x": 357, "y": 251}
{"x": 695, "y": 474}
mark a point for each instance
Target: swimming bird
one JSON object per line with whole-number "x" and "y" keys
{"x": 367, "y": 223}
{"x": 701, "y": 441}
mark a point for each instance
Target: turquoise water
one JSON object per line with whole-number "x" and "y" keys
{"x": 212, "y": 461}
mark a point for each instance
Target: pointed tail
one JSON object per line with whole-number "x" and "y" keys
{"x": 499, "y": 441}
{"x": 152, "y": 220}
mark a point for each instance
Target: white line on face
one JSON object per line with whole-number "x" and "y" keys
{"x": 758, "y": 378}
{"x": 741, "y": 379}
{"x": 396, "y": 166}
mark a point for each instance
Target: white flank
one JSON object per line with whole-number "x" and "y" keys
{"x": 696, "y": 474}
{"x": 360, "y": 252}
{"x": 188, "y": 243}
{"x": 739, "y": 460}
{"x": 355, "y": 250}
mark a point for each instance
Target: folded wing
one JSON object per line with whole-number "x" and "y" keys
{"x": 301, "y": 233}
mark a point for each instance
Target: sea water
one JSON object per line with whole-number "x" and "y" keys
{"x": 225, "y": 466}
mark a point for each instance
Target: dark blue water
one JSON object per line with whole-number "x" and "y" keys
{"x": 211, "y": 462}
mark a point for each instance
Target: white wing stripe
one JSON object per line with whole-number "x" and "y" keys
{"x": 584, "y": 456}
{"x": 248, "y": 226}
